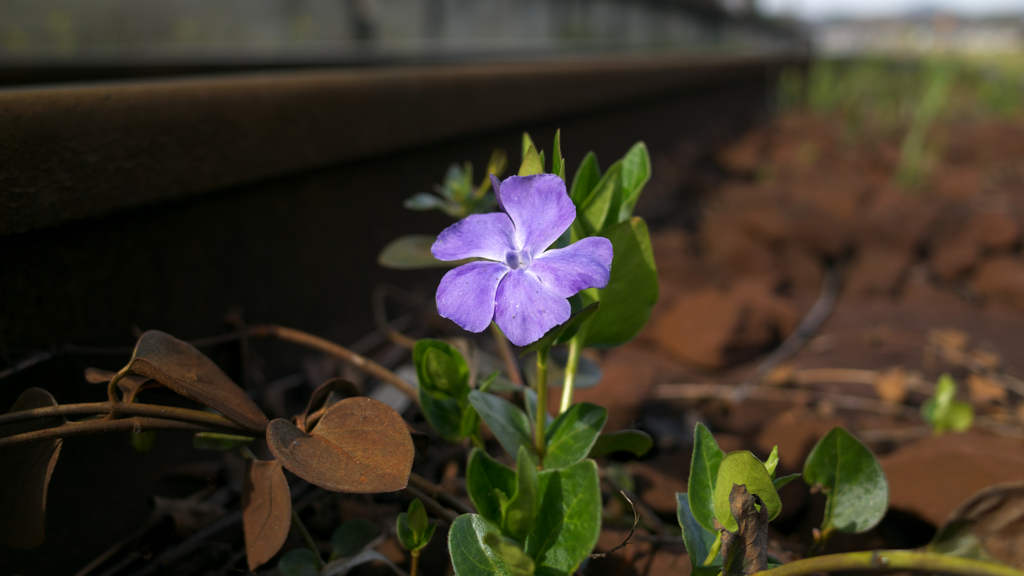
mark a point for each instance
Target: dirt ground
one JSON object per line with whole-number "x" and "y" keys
{"x": 931, "y": 281}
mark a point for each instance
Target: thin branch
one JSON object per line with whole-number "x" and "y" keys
{"x": 365, "y": 364}
{"x": 31, "y": 360}
{"x": 808, "y": 326}
{"x": 127, "y": 408}
{"x": 505, "y": 351}
{"x": 636, "y": 520}
{"x": 137, "y": 424}
{"x": 727, "y": 392}
{"x": 431, "y": 504}
{"x": 646, "y": 513}
{"x": 380, "y": 317}
{"x": 424, "y": 485}
{"x": 892, "y": 560}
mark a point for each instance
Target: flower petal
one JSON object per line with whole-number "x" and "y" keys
{"x": 488, "y": 236}
{"x": 466, "y": 294}
{"x": 526, "y": 309}
{"x": 539, "y": 207}
{"x": 585, "y": 264}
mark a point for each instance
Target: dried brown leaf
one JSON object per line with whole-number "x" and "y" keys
{"x": 179, "y": 366}
{"x": 989, "y": 524}
{"x": 318, "y": 401}
{"x": 984, "y": 390}
{"x": 951, "y": 344}
{"x": 266, "y": 511}
{"x": 129, "y": 385}
{"x": 891, "y": 385}
{"x": 360, "y": 445}
{"x": 25, "y": 477}
{"x": 746, "y": 550}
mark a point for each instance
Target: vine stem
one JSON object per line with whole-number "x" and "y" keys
{"x": 126, "y": 408}
{"x": 136, "y": 424}
{"x": 542, "y": 401}
{"x": 505, "y": 351}
{"x": 415, "y": 562}
{"x": 571, "y": 366}
{"x": 307, "y": 538}
{"x": 310, "y": 341}
{"x": 892, "y": 560}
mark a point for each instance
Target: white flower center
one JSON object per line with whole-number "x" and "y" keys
{"x": 515, "y": 259}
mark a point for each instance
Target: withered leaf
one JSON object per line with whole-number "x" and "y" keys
{"x": 179, "y": 366}
{"x": 318, "y": 400}
{"x": 746, "y": 550}
{"x": 25, "y": 472}
{"x": 129, "y": 385}
{"x": 360, "y": 445}
{"x": 891, "y": 385}
{"x": 985, "y": 390}
{"x": 988, "y": 525}
{"x": 266, "y": 511}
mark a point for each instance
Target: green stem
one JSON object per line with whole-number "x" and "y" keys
{"x": 307, "y": 538}
{"x": 415, "y": 562}
{"x": 542, "y": 401}
{"x": 892, "y": 560}
{"x": 571, "y": 366}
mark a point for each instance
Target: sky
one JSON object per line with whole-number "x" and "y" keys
{"x": 817, "y": 9}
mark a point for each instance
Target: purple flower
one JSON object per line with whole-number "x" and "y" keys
{"x": 523, "y": 287}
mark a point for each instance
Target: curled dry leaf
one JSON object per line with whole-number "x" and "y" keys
{"x": 985, "y": 390}
{"x": 989, "y": 524}
{"x": 25, "y": 472}
{"x": 891, "y": 385}
{"x": 359, "y": 445}
{"x": 266, "y": 511}
{"x": 317, "y": 404}
{"x": 129, "y": 385}
{"x": 179, "y": 366}
{"x": 746, "y": 550}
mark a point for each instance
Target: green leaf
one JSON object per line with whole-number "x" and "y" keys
{"x": 707, "y": 457}
{"x": 852, "y": 480}
{"x": 471, "y": 555}
{"x": 586, "y": 178}
{"x": 533, "y": 163}
{"x": 443, "y": 377}
{"x": 412, "y": 252}
{"x": 636, "y": 171}
{"x": 440, "y": 368}
{"x": 520, "y": 510}
{"x": 568, "y": 519}
{"x": 509, "y": 424}
{"x": 444, "y": 386}
{"x": 571, "y": 436}
{"x": 632, "y": 289}
{"x": 780, "y": 482}
{"x": 299, "y": 562}
{"x": 485, "y": 478}
{"x": 637, "y": 442}
{"x": 562, "y": 332}
{"x": 743, "y": 468}
{"x": 557, "y": 162}
{"x": 142, "y": 442}
{"x": 511, "y": 554}
{"x": 218, "y": 441}
{"x": 421, "y": 201}
{"x": 352, "y": 536}
{"x": 527, "y": 143}
{"x": 594, "y": 212}
{"x": 698, "y": 541}
{"x": 417, "y": 516}
{"x": 943, "y": 412}
{"x": 772, "y": 462}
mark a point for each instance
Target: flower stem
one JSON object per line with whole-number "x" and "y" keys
{"x": 571, "y": 366}
{"x": 892, "y": 560}
{"x": 505, "y": 351}
{"x": 415, "y": 562}
{"x": 542, "y": 401}
{"x": 307, "y": 538}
